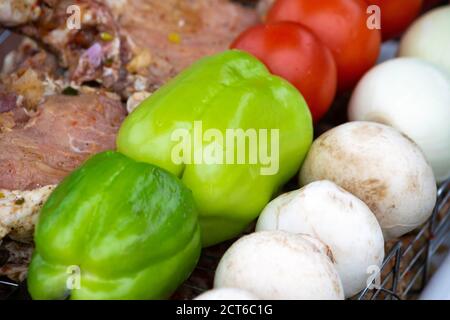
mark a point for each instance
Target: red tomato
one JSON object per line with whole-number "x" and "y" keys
{"x": 292, "y": 52}
{"x": 396, "y": 15}
{"x": 342, "y": 26}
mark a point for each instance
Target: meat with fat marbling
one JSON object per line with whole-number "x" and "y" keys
{"x": 135, "y": 45}
{"x": 57, "y": 139}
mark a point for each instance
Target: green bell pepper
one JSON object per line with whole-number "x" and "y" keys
{"x": 194, "y": 117}
{"x": 115, "y": 229}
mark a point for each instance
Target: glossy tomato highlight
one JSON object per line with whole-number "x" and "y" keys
{"x": 342, "y": 27}
{"x": 292, "y": 52}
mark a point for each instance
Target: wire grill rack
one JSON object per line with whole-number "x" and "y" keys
{"x": 404, "y": 272}
{"x": 407, "y": 265}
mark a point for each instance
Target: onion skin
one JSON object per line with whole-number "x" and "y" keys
{"x": 412, "y": 96}
{"x": 428, "y": 38}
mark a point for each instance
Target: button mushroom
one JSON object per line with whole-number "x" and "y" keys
{"x": 379, "y": 165}
{"x": 337, "y": 218}
{"x": 227, "y": 294}
{"x": 280, "y": 265}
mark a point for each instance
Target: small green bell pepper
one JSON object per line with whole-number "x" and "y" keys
{"x": 211, "y": 101}
{"x": 115, "y": 229}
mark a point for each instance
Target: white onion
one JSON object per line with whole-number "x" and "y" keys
{"x": 429, "y": 38}
{"x": 413, "y": 96}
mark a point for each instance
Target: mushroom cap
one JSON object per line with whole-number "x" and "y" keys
{"x": 379, "y": 165}
{"x": 226, "y": 294}
{"x": 337, "y": 218}
{"x": 280, "y": 265}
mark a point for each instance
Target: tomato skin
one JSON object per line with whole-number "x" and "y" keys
{"x": 292, "y": 52}
{"x": 396, "y": 15}
{"x": 342, "y": 26}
